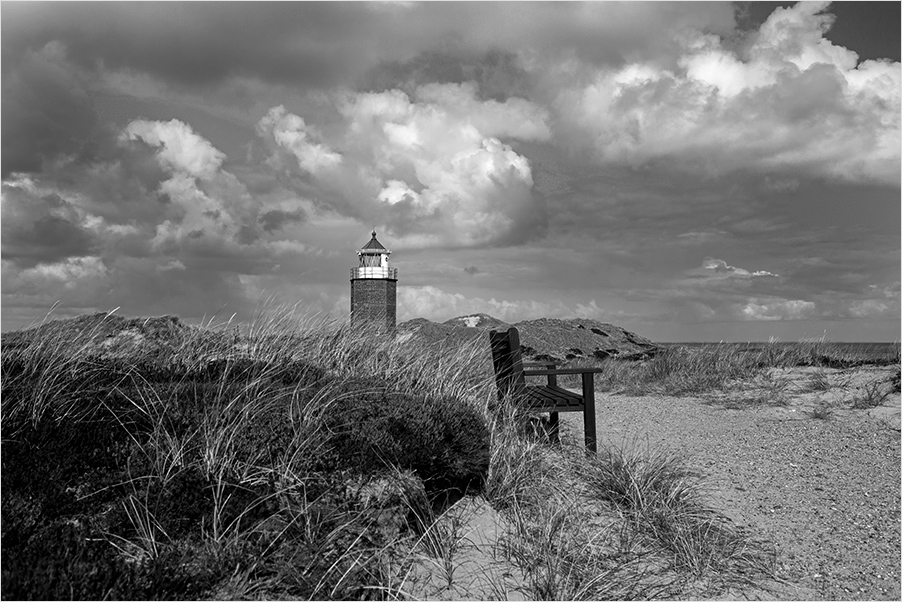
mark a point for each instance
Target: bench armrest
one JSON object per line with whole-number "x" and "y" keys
{"x": 563, "y": 371}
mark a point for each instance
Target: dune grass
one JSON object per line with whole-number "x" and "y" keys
{"x": 665, "y": 503}
{"x": 682, "y": 370}
{"x": 872, "y": 395}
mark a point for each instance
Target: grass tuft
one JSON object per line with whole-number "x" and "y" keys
{"x": 872, "y": 395}
{"x": 665, "y": 502}
{"x": 818, "y": 381}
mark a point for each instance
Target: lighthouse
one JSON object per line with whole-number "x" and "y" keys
{"x": 374, "y": 286}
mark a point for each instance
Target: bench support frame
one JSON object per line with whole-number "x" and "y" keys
{"x": 510, "y": 378}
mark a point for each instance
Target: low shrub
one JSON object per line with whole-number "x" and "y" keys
{"x": 66, "y": 561}
{"x": 444, "y": 441}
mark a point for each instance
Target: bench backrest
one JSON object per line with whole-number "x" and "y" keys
{"x": 508, "y": 362}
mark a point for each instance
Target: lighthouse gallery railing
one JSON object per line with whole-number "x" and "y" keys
{"x": 374, "y": 272}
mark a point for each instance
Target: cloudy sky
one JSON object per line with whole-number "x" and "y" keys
{"x": 708, "y": 171}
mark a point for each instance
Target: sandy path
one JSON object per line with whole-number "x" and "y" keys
{"x": 827, "y": 492}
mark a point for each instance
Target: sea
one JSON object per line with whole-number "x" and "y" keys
{"x": 866, "y": 351}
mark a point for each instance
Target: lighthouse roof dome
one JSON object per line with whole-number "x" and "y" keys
{"x": 374, "y": 245}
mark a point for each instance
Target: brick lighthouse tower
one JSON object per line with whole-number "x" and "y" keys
{"x": 374, "y": 286}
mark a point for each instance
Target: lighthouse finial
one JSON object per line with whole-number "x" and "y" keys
{"x": 374, "y": 231}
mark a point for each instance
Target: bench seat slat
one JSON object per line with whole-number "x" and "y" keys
{"x": 553, "y": 398}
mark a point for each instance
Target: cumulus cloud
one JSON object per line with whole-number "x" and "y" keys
{"x": 437, "y": 304}
{"x": 878, "y": 302}
{"x": 869, "y": 308}
{"x": 205, "y": 203}
{"x": 68, "y": 271}
{"x": 722, "y": 269}
{"x": 291, "y": 133}
{"x": 157, "y": 207}
{"x": 42, "y": 227}
{"x": 790, "y": 102}
{"x": 435, "y": 168}
{"x": 777, "y": 309}
{"x": 179, "y": 148}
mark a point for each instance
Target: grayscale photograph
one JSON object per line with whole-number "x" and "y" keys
{"x": 434, "y": 300}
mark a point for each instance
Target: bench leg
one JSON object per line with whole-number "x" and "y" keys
{"x": 554, "y": 428}
{"x": 589, "y": 412}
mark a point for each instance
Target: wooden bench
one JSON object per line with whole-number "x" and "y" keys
{"x": 510, "y": 377}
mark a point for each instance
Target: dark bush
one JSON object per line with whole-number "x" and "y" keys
{"x": 63, "y": 563}
{"x": 66, "y": 561}
{"x": 443, "y": 440}
{"x": 55, "y": 461}
{"x": 183, "y": 503}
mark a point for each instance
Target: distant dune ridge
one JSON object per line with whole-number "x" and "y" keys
{"x": 545, "y": 338}
{"x": 104, "y": 333}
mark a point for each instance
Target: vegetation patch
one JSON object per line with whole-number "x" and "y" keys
{"x": 683, "y": 370}
{"x": 148, "y": 459}
{"x": 226, "y": 466}
{"x": 872, "y": 395}
{"x": 664, "y": 502}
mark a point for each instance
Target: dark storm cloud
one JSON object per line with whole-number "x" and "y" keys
{"x": 323, "y": 43}
{"x": 187, "y": 42}
{"x": 41, "y": 230}
{"x": 46, "y": 111}
{"x": 49, "y": 238}
{"x": 276, "y": 219}
{"x": 496, "y": 73}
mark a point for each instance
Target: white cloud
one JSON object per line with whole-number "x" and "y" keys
{"x": 792, "y": 102}
{"x": 777, "y": 309}
{"x": 869, "y": 308}
{"x": 291, "y": 133}
{"x": 205, "y": 202}
{"x": 180, "y": 149}
{"x": 69, "y": 271}
{"x": 175, "y": 264}
{"x": 396, "y": 191}
{"x": 439, "y": 305}
{"x": 513, "y": 118}
{"x": 722, "y": 269}
{"x": 436, "y": 168}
